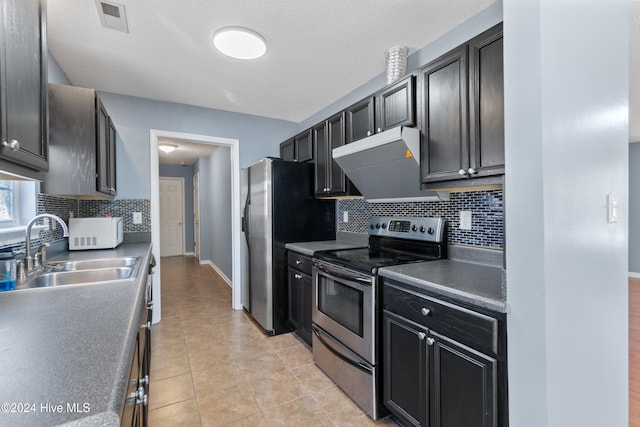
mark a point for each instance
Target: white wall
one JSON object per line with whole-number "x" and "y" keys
{"x": 566, "y": 102}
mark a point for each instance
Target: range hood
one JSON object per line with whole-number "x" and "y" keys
{"x": 385, "y": 167}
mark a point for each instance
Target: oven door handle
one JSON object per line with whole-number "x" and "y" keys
{"x": 341, "y": 356}
{"x": 332, "y": 273}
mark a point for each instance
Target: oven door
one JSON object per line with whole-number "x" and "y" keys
{"x": 343, "y": 305}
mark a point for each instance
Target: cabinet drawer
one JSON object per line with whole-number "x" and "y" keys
{"x": 471, "y": 328}
{"x": 300, "y": 262}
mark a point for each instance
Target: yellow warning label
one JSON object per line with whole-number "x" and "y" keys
{"x": 408, "y": 154}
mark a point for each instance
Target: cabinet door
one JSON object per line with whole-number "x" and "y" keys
{"x": 322, "y": 159}
{"x": 405, "y": 369}
{"x": 112, "y": 183}
{"x": 102, "y": 148}
{"x": 463, "y": 385}
{"x": 24, "y": 84}
{"x": 304, "y": 146}
{"x": 305, "y": 330}
{"x": 288, "y": 151}
{"x": 445, "y": 145}
{"x": 360, "y": 120}
{"x": 486, "y": 106}
{"x": 336, "y": 134}
{"x": 295, "y": 299}
{"x": 396, "y": 105}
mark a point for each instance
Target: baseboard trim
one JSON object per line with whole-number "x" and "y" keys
{"x": 217, "y": 270}
{"x": 188, "y": 253}
{"x": 632, "y": 274}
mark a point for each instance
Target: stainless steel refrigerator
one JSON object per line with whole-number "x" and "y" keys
{"x": 279, "y": 208}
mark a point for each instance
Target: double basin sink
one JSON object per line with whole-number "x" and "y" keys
{"x": 79, "y": 272}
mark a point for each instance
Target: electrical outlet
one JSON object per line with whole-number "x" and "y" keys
{"x": 137, "y": 217}
{"x": 345, "y": 216}
{"x": 465, "y": 220}
{"x": 70, "y": 214}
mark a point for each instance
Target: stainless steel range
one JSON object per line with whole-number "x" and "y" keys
{"x": 345, "y": 310}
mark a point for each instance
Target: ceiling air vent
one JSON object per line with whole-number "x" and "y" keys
{"x": 112, "y": 15}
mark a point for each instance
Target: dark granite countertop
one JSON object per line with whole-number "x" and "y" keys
{"x": 309, "y": 248}
{"x": 477, "y": 284}
{"x": 66, "y": 351}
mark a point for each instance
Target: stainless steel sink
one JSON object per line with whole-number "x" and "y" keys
{"x": 92, "y": 264}
{"x": 79, "y": 272}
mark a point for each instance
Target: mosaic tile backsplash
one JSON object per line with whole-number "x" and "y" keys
{"x": 90, "y": 208}
{"x": 486, "y": 206}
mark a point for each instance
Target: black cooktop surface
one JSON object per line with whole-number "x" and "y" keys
{"x": 370, "y": 259}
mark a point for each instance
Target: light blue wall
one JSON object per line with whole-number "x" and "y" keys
{"x": 566, "y": 129}
{"x": 215, "y": 209}
{"x": 135, "y": 117}
{"x": 634, "y": 207}
{"x": 186, "y": 172}
{"x": 55, "y": 73}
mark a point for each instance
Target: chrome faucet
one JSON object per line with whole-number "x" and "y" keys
{"x": 28, "y": 259}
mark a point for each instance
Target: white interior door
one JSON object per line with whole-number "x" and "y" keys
{"x": 196, "y": 215}
{"x": 171, "y": 216}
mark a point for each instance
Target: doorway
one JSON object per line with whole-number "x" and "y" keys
{"x": 171, "y": 216}
{"x": 234, "y": 153}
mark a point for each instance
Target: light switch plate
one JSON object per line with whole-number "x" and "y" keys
{"x": 345, "y": 216}
{"x": 612, "y": 208}
{"x": 465, "y": 220}
{"x": 137, "y": 217}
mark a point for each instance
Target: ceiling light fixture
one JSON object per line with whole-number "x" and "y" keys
{"x": 239, "y": 43}
{"x": 167, "y": 148}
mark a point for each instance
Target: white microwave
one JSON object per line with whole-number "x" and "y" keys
{"x": 94, "y": 233}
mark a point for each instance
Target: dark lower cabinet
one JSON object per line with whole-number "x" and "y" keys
{"x": 406, "y": 369}
{"x": 440, "y": 368}
{"x": 299, "y": 287}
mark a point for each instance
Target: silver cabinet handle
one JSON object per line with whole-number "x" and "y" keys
{"x": 14, "y": 145}
{"x": 472, "y": 171}
{"x": 146, "y": 325}
{"x": 421, "y": 335}
{"x": 425, "y": 311}
{"x": 144, "y": 380}
{"x": 298, "y": 262}
{"x": 430, "y": 341}
{"x": 368, "y": 133}
{"x": 141, "y": 397}
{"x": 297, "y": 276}
{"x": 379, "y": 130}
{"x": 462, "y": 172}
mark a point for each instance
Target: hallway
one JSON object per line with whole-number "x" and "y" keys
{"x": 212, "y": 366}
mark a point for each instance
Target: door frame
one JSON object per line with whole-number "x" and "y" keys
{"x": 196, "y": 214}
{"x": 234, "y": 146}
{"x": 183, "y": 226}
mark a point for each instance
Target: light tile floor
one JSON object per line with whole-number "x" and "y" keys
{"x": 212, "y": 366}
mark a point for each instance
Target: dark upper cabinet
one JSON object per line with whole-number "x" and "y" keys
{"x": 82, "y": 144}
{"x": 396, "y": 105}
{"x": 445, "y": 149}
{"x": 463, "y": 112}
{"x": 360, "y": 119}
{"x": 23, "y": 104}
{"x": 486, "y": 104}
{"x": 288, "y": 150}
{"x": 330, "y": 180}
{"x": 299, "y": 148}
{"x": 304, "y": 146}
{"x": 105, "y": 144}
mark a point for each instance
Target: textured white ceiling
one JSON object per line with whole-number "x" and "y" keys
{"x": 187, "y": 152}
{"x": 318, "y": 50}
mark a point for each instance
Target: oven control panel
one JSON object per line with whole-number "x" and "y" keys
{"x": 416, "y": 228}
